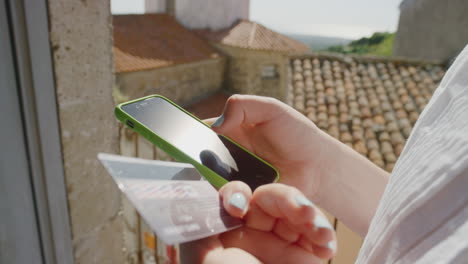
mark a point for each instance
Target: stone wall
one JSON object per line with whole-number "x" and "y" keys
{"x": 181, "y": 83}
{"x": 212, "y": 14}
{"x": 432, "y": 29}
{"x": 244, "y": 71}
{"x": 81, "y": 37}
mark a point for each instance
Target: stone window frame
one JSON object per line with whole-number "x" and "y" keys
{"x": 269, "y": 72}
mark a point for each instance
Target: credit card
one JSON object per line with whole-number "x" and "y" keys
{"x": 169, "y": 196}
{"x": 136, "y": 168}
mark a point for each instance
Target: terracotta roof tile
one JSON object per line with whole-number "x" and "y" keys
{"x": 251, "y": 35}
{"x": 143, "y": 42}
{"x": 370, "y": 105}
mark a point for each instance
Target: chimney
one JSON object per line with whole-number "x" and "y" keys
{"x": 155, "y": 6}
{"x": 170, "y": 7}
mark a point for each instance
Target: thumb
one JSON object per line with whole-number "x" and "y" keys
{"x": 236, "y": 198}
{"x": 247, "y": 110}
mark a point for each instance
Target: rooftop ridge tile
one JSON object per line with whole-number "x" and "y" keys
{"x": 252, "y": 35}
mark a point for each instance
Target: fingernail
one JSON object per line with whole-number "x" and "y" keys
{"x": 238, "y": 200}
{"x": 218, "y": 121}
{"x": 332, "y": 245}
{"x": 321, "y": 222}
{"x": 303, "y": 201}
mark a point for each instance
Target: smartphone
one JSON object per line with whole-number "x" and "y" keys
{"x": 187, "y": 139}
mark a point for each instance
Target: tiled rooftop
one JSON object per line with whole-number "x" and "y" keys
{"x": 251, "y": 35}
{"x": 143, "y": 42}
{"x": 369, "y": 104}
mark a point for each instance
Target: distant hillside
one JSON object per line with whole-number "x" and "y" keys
{"x": 319, "y": 42}
{"x": 380, "y": 44}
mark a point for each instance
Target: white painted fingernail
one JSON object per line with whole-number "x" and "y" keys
{"x": 303, "y": 201}
{"x": 219, "y": 122}
{"x": 332, "y": 245}
{"x": 321, "y": 222}
{"x": 238, "y": 200}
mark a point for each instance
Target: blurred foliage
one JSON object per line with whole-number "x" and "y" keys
{"x": 380, "y": 44}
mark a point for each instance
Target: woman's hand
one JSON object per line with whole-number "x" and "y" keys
{"x": 331, "y": 174}
{"x": 278, "y": 134}
{"x": 280, "y": 226}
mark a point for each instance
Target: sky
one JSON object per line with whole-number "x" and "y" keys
{"x": 350, "y": 19}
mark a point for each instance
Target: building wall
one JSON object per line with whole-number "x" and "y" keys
{"x": 213, "y": 14}
{"x": 181, "y": 83}
{"x": 432, "y": 29}
{"x": 81, "y": 37}
{"x": 244, "y": 72}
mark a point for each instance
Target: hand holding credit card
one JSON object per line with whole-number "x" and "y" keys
{"x": 180, "y": 208}
{"x": 170, "y": 197}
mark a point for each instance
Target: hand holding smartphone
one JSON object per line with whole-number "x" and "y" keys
{"x": 188, "y": 139}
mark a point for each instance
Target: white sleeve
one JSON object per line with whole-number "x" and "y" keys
{"x": 423, "y": 214}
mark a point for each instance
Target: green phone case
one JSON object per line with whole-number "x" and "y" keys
{"x": 174, "y": 152}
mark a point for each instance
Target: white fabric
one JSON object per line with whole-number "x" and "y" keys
{"x": 423, "y": 214}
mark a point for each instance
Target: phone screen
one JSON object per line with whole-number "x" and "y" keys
{"x": 200, "y": 142}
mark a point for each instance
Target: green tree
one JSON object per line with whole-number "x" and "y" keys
{"x": 380, "y": 43}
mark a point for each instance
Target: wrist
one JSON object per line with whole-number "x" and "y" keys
{"x": 350, "y": 186}
{"x": 324, "y": 165}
